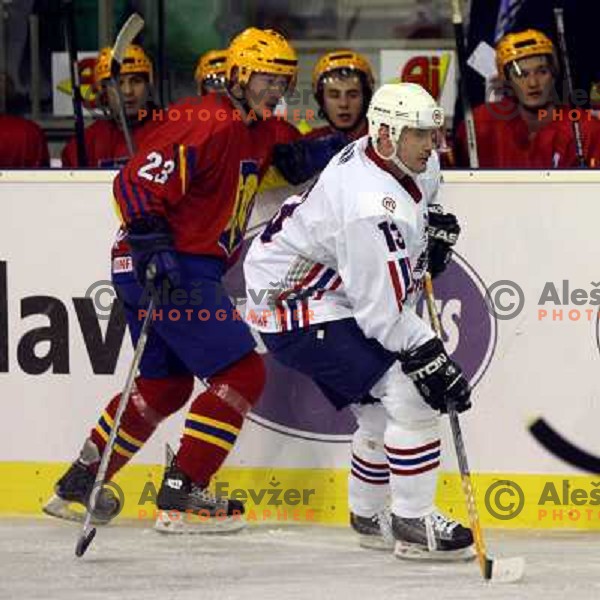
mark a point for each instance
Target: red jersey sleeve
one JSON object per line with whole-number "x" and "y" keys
{"x": 158, "y": 176}
{"x": 285, "y": 132}
{"x": 491, "y": 131}
{"x": 23, "y": 144}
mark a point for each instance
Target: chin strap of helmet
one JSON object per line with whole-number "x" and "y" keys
{"x": 243, "y": 101}
{"x": 393, "y": 158}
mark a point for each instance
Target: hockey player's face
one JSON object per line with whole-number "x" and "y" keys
{"x": 134, "y": 91}
{"x": 415, "y": 147}
{"x": 343, "y": 101}
{"x": 532, "y": 80}
{"x": 264, "y": 92}
{"x": 211, "y": 85}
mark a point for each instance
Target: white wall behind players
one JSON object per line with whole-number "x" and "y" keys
{"x": 529, "y": 227}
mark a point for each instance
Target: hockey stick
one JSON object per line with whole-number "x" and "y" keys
{"x": 87, "y": 531}
{"x": 130, "y": 29}
{"x": 128, "y": 32}
{"x": 562, "y": 448}
{"x": 562, "y": 41}
{"x": 71, "y": 38}
{"x": 162, "y": 67}
{"x": 461, "y": 53}
{"x": 503, "y": 570}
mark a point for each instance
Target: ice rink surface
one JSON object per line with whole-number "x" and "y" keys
{"x": 132, "y": 562}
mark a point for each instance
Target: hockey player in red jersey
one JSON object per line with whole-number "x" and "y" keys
{"x": 210, "y": 72}
{"x": 185, "y": 200}
{"x": 527, "y": 128}
{"x": 22, "y": 144}
{"x": 342, "y": 84}
{"x": 104, "y": 140}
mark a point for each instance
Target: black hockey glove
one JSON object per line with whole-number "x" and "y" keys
{"x": 442, "y": 231}
{"x": 437, "y": 377}
{"x": 301, "y": 160}
{"x": 152, "y": 251}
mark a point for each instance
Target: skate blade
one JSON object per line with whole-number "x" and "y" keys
{"x": 375, "y": 542}
{"x": 176, "y": 522}
{"x": 68, "y": 510}
{"x": 407, "y": 551}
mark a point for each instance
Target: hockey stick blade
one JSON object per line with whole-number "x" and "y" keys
{"x": 85, "y": 539}
{"x": 128, "y": 32}
{"x": 505, "y": 570}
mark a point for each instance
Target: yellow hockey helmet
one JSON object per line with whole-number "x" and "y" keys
{"x": 515, "y": 46}
{"x": 261, "y": 51}
{"x": 134, "y": 61}
{"x": 211, "y": 65}
{"x": 342, "y": 59}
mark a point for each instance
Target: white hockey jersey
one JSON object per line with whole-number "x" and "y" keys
{"x": 353, "y": 245}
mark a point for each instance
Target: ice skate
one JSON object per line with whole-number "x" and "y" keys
{"x": 72, "y": 491}
{"x": 374, "y": 532}
{"x": 184, "y": 507}
{"x": 433, "y": 537}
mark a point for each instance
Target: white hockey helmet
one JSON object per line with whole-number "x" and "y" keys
{"x": 400, "y": 105}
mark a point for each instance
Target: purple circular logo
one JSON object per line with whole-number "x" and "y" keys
{"x": 469, "y": 329}
{"x": 293, "y": 405}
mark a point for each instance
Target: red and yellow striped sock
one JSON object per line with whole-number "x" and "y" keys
{"x": 151, "y": 401}
{"x": 211, "y": 429}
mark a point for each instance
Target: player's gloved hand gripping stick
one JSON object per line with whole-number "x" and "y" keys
{"x": 442, "y": 232}
{"x": 501, "y": 570}
{"x": 437, "y": 377}
{"x": 151, "y": 244}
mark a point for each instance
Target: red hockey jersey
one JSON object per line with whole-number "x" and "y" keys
{"x": 504, "y": 142}
{"x": 201, "y": 171}
{"x": 22, "y": 144}
{"x": 105, "y": 144}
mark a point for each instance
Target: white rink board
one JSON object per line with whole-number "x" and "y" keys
{"x": 532, "y": 233}
{"x": 530, "y": 227}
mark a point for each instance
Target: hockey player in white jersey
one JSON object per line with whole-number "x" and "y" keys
{"x": 332, "y": 285}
